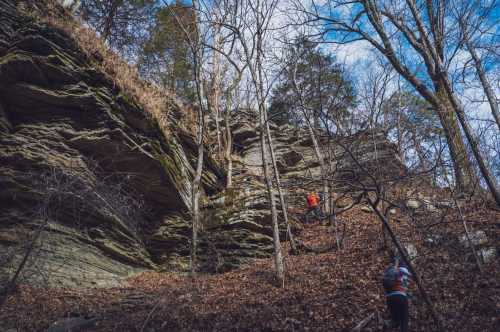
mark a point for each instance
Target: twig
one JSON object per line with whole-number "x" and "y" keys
{"x": 363, "y": 323}
{"x": 150, "y": 314}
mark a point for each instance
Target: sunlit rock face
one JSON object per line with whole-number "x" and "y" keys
{"x": 72, "y": 5}
{"x": 353, "y": 158}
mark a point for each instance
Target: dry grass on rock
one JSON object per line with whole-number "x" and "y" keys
{"x": 157, "y": 102}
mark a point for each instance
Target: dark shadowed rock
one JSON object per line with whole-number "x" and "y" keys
{"x": 73, "y": 324}
{"x": 112, "y": 194}
{"x": 67, "y": 132}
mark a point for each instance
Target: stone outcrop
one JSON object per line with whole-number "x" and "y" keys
{"x": 481, "y": 243}
{"x": 88, "y": 173}
{"x": 372, "y": 154}
{"x": 82, "y": 164}
{"x": 476, "y": 238}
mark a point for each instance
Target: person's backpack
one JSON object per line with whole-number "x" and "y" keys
{"x": 391, "y": 279}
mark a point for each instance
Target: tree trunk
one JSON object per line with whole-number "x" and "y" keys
{"x": 459, "y": 111}
{"x": 278, "y": 184}
{"x": 215, "y": 95}
{"x": 278, "y": 258}
{"x": 229, "y": 137}
{"x": 195, "y": 189}
{"x": 254, "y": 61}
{"x": 195, "y": 194}
{"x": 468, "y": 236}
{"x": 110, "y": 18}
{"x": 485, "y": 83}
{"x": 258, "y": 79}
{"x": 229, "y": 150}
{"x": 464, "y": 173}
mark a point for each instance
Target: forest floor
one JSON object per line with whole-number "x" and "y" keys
{"x": 331, "y": 291}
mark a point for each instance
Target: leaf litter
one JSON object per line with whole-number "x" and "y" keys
{"x": 331, "y": 291}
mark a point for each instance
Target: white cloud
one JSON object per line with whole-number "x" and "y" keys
{"x": 353, "y": 53}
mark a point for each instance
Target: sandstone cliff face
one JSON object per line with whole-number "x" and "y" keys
{"x": 354, "y": 158}
{"x": 77, "y": 156}
{"x": 244, "y": 211}
{"x": 83, "y": 165}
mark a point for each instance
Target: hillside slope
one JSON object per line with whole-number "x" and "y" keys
{"x": 331, "y": 291}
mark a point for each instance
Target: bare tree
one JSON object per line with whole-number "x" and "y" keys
{"x": 472, "y": 17}
{"x": 312, "y": 135}
{"x": 61, "y": 198}
{"x": 262, "y": 13}
{"x": 194, "y": 37}
{"x": 424, "y": 29}
{"x": 215, "y": 90}
{"x": 249, "y": 23}
{"x": 219, "y": 15}
{"x": 232, "y": 101}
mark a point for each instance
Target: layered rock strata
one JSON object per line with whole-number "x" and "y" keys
{"x": 88, "y": 177}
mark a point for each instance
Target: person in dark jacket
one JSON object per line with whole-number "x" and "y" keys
{"x": 396, "y": 280}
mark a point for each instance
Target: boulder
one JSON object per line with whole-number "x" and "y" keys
{"x": 342, "y": 203}
{"x": 413, "y": 204}
{"x": 488, "y": 254}
{"x": 367, "y": 208}
{"x": 477, "y": 238}
{"x": 429, "y": 206}
{"x": 411, "y": 250}
{"x": 433, "y": 240}
{"x": 72, "y": 324}
{"x": 447, "y": 204}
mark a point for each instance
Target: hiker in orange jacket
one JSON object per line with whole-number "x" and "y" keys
{"x": 313, "y": 206}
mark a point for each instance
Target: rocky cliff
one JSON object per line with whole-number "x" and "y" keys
{"x": 78, "y": 159}
{"x": 88, "y": 176}
{"x": 353, "y": 158}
